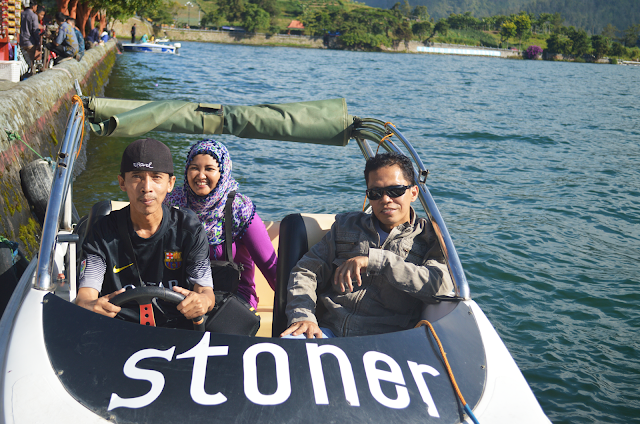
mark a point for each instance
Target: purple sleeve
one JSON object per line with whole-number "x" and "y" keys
{"x": 258, "y": 243}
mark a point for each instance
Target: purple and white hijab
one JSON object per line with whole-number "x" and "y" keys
{"x": 210, "y": 208}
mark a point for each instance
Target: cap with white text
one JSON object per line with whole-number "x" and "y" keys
{"x": 147, "y": 154}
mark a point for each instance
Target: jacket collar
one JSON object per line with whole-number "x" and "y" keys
{"x": 402, "y": 227}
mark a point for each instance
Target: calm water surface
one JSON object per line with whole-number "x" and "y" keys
{"x": 535, "y": 167}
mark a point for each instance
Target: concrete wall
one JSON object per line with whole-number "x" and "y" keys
{"x": 37, "y": 110}
{"x": 227, "y": 37}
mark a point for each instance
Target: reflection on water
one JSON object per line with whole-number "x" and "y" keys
{"x": 534, "y": 166}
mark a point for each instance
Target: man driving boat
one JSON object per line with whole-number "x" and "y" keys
{"x": 169, "y": 245}
{"x": 372, "y": 272}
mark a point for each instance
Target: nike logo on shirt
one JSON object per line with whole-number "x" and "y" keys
{"x": 117, "y": 270}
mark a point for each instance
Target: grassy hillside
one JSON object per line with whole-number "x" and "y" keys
{"x": 590, "y": 15}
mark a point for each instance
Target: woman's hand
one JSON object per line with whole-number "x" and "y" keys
{"x": 196, "y": 303}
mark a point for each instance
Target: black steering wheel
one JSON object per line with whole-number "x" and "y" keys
{"x": 143, "y": 296}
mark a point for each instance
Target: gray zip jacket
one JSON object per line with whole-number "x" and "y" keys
{"x": 403, "y": 273}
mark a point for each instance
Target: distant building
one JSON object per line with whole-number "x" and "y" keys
{"x": 296, "y": 26}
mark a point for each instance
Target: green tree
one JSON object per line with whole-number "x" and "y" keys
{"x": 631, "y": 35}
{"x": 211, "y": 19}
{"x": 403, "y": 31}
{"x": 405, "y": 9}
{"x": 421, "y": 29}
{"x": 441, "y": 27}
{"x": 254, "y": 18}
{"x": 609, "y": 31}
{"x": 507, "y": 30}
{"x": 233, "y": 10}
{"x": 320, "y": 22}
{"x": 421, "y": 13}
{"x": 498, "y": 20}
{"x": 269, "y": 6}
{"x": 557, "y": 22}
{"x": 463, "y": 21}
{"x": 163, "y": 13}
{"x": 581, "y": 41}
{"x": 523, "y": 26}
{"x": 558, "y": 44}
{"x": 600, "y": 46}
{"x": 618, "y": 50}
{"x": 544, "y": 22}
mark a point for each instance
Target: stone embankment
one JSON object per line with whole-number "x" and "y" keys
{"x": 227, "y": 37}
{"x": 36, "y": 110}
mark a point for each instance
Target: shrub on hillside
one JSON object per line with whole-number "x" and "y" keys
{"x": 533, "y": 52}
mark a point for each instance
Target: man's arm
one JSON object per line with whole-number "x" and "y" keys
{"x": 89, "y": 299}
{"x": 312, "y": 271}
{"x": 420, "y": 281}
{"x": 90, "y": 283}
{"x": 201, "y": 299}
{"x": 60, "y": 37}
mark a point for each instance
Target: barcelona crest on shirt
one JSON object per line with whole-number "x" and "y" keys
{"x": 173, "y": 260}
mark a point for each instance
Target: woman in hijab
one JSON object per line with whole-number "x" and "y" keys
{"x": 207, "y": 181}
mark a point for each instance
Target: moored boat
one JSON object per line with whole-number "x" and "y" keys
{"x": 84, "y": 367}
{"x": 151, "y": 48}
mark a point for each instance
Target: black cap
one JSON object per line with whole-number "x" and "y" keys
{"x": 147, "y": 154}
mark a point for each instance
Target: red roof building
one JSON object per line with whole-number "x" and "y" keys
{"x": 295, "y": 25}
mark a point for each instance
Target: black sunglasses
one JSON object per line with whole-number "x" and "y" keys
{"x": 392, "y": 191}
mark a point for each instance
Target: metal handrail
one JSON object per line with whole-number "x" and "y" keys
{"x": 368, "y": 132}
{"x": 62, "y": 175}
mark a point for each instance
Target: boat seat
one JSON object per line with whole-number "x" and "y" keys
{"x": 298, "y": 232}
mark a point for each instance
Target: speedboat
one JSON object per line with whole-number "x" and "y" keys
{"x": 62, "y": 363}
{"x": 151, "y": 47}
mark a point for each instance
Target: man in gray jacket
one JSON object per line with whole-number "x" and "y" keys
{"x": 374, "y": 271}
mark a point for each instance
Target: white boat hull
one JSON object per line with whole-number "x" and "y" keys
{"x": 150, "y": 48}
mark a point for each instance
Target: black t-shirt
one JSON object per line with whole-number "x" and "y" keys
{"x": 177, "y": 254}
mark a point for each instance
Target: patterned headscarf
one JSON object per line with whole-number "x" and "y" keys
{"x": 210, "y": 208}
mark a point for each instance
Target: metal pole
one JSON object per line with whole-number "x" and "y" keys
{"x": 61, "y": 179}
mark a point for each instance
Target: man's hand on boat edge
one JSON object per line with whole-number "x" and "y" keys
{"x": 308, "y": 328}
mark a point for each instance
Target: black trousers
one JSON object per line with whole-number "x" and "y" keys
{"x": 58, "y": 50}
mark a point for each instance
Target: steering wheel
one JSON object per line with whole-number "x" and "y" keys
{"x": 143, "y": 296}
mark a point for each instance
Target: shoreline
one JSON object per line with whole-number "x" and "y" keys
{"x": 306, "y": 41}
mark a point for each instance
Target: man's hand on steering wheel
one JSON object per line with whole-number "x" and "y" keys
{"x": 196, "y": 303}
{"x": 88, "y": 299}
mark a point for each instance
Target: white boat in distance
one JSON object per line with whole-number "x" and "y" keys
{"x": 151, "y": 48}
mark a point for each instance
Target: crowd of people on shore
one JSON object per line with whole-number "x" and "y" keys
{"x": 45, "y": 38}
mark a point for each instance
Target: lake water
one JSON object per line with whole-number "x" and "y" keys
{"x": 535, "y": 167}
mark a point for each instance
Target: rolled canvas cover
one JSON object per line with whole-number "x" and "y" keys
{"x": 320, "y": 122}
{"x": 131, "y": 118}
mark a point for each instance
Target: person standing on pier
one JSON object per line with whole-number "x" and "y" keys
{"x": 30, "y": 35}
